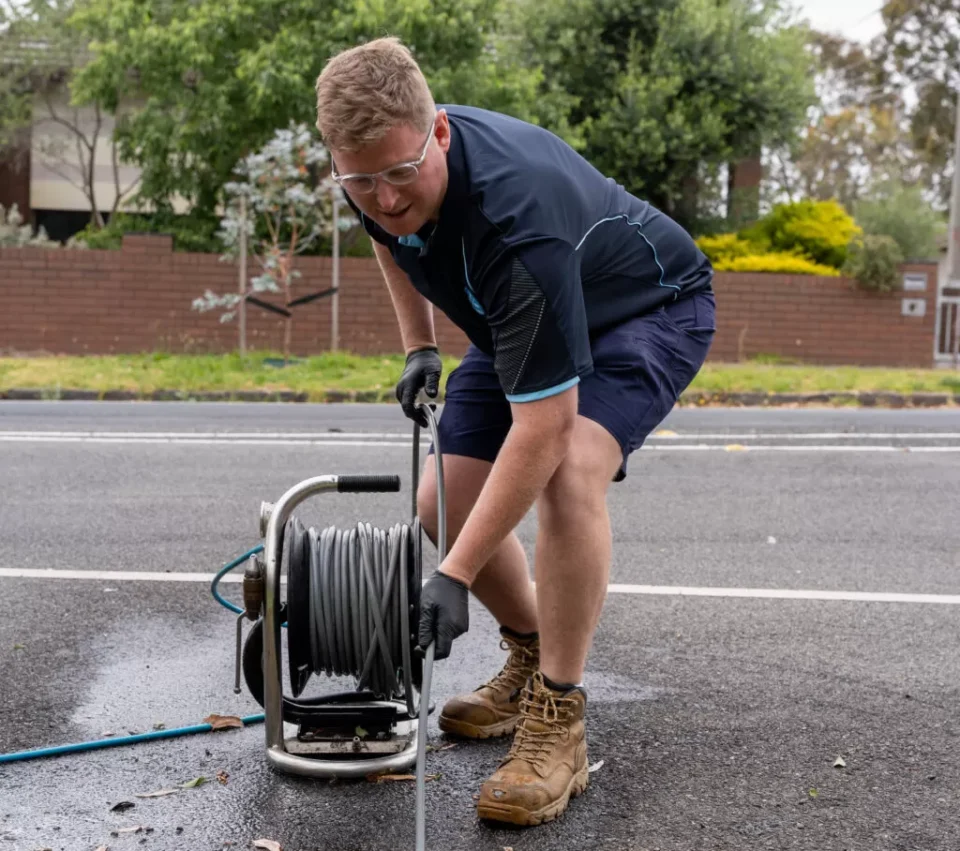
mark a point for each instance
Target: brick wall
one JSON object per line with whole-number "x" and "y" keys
{"x": 139, "y": 299}
{"x": 822, "y": 320}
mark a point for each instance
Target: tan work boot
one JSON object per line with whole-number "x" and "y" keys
{"x": 547, "y": 764}
{"x": 493, "y": 709}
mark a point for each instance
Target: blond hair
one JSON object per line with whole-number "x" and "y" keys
{"x": 364, "y": 91}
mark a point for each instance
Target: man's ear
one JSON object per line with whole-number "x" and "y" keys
{"x": 443, "y": 130}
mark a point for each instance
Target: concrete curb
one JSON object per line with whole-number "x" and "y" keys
{"x": 879, "y": 399}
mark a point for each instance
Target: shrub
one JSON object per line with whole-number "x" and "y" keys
{"x": 15, "y": 234}
{"x": 782, "y": 262}
{"x": 189, "y": 232}
{"x": 874, "y": 261}
{"x": 724, "y": 246}
{"x": 902, "y": 213}
{"x": 819, "y": 230}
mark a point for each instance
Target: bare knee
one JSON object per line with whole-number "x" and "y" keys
{"x": 573, "y": 491}
{"x": 579, "y": 486}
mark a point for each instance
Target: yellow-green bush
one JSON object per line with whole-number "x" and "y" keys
{"x": 724, "y": 246}
{"x": 819, "y": 230}
{"x": 775, "y": 261}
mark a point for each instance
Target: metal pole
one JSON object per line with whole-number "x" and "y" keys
{"x": 953, "y": 247}
{"x": 243, "y": 275}
{"x": 335, "y": 302}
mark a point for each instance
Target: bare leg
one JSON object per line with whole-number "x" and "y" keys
{"x": 573, "y": 551}
{"x": 503, "y": 585}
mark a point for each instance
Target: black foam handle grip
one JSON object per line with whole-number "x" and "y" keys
{"x": 368, "y": 484}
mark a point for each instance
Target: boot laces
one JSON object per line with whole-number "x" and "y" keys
{"x": 544, "y": 722}
{"x": 521, "y": 662}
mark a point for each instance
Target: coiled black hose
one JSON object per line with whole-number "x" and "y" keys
{"x": 356, "y": 590}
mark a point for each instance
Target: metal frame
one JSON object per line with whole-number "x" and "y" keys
{"x": 947, "y": 319}
{"x": 278, "y": 754}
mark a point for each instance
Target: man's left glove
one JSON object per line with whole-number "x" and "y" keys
{"x": 444, "y": 613}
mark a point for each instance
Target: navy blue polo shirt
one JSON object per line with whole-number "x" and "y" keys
{"x": 535, "y": 253}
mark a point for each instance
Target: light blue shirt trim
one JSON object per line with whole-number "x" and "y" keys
{"x": 411, "y": 241}
{"x": 543, "y": 394}
{"x": 639, "y": 227}
{"x": 469, "y": 289}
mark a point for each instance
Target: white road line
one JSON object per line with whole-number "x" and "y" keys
{"x": 786, "y": 594}
{"x": 214, "y": 441}
{"x": 224, "y": 435}
{"x": 759, "y": 447}
{"x": 651, "y": 590}
{"x": 398, "y": 435}
{"x": 677, "y": 447}
{"x": 814, "y": 435}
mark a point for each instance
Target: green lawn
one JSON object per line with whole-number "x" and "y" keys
{"x": 342, "y": 372}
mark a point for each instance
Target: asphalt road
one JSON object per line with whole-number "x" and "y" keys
{"x": 718, "y": 718}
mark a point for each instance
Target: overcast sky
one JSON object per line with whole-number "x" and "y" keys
{"x": 855, "y": 19}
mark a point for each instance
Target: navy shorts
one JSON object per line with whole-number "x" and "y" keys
{"x": 640, "y": 368}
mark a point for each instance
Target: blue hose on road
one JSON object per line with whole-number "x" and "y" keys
{"x": 112, "y": 742}
{"x": 58, "y": 750}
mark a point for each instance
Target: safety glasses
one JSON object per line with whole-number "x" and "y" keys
{"x": 401, "y": 174}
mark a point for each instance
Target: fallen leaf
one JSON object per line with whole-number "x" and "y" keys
{"x": 108, "y": 733}
{"x": 102, "y": 848}
{"x": 359, "y": 732}
{"x": 267, "y": 845}
{"x": 190, "y": 784}
{"x": 19, "y": 647}
{"x": 735, "y": 447}
{"x": 222, "y": 776}
{"x": 160, "y": 726}
{"x": 813, "y": 793}
{"x": 438, "y": 748}
{"x": 380, "y": 778}
{"x": 222, "y": 722}
{"x": 158, "y": 794}
{"x": 664, "y": 432}
{"x": 123, "y": 805}
{"x": 595, "y": 767}
{"x": 839, "y": 763}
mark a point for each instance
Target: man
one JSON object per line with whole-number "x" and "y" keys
{"x": 588, "y": 312}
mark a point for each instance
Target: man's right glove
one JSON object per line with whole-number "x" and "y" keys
{"x": 444, "y": 613}
{"x": 422, "y": 371}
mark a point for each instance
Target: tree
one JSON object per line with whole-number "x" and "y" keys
{"x": 857, "y": 135}
{"x": 215, "y": 79}
{"x": 668, "y": 92}
{"x": 903, "y": 214}
{"x": 886, "y": 110}
{"x": 43, "y": 53}
{"x": 921, "y": 48}
{"x": 283, "y": 200}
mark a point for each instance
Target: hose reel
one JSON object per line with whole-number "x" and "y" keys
{"x": 351, "y": 610}
{"x": 352, "y": 603}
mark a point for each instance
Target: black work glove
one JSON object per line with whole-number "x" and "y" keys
{"x": 444, "y": 613}
{"x": 421, "y": 372}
